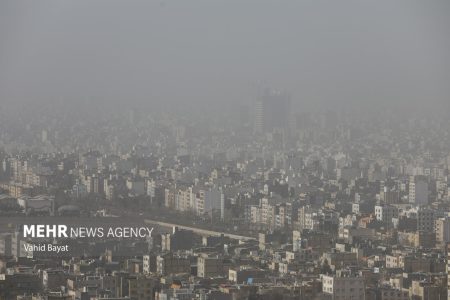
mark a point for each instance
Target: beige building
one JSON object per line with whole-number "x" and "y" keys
{"x": 442, "y": 231}
{"x": 344, "y": 288}
{"x": 394, "y": 261}
{"x": 208, "y": 267}
{"x": 427, "y": 291}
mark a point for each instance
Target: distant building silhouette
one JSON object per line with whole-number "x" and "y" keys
{"x": 271, "y": 111}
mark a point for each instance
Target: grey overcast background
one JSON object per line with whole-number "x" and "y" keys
{"x": 325, "y": 53}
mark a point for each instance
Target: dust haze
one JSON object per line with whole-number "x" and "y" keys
{"x": 148, "y": 54}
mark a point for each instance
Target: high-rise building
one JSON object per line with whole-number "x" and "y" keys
{"x": 271, "y": 111}
{"x": 426, "y": 220}
{"x": 44, "y": 136}
{"x": 418, "y": 190}
{"x": 209, "y": 200}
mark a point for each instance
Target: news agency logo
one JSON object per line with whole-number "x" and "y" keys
{"x": 63, "y": 231}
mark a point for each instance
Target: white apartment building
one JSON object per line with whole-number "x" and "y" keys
{"x": 385, "y": 213}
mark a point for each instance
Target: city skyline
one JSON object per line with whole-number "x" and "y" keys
{"x": 226, "y": 150}
{"x": 325, "y": 54}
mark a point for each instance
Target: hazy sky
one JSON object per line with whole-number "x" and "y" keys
{"x": 208, "y": 51}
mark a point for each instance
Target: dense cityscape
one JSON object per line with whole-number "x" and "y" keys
{"x": 265, "y": 203}
{"x": 224, "y": 150}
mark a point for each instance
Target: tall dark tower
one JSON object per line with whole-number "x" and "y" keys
{"x": 272, "y": 111}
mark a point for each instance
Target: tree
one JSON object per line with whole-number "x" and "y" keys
{"x": 325, "y": 268}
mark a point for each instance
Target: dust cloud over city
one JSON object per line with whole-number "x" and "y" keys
{"x": 322, "y": 52}
{"x": 233, "y": 149}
